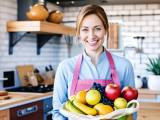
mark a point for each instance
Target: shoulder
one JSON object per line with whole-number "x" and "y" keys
{"x": 68, "y": 63}
{"x": 121, "y": 61}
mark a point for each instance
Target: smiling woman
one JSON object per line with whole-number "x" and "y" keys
{"x": 92, "y": 34}
{"x": 95, "y": 64}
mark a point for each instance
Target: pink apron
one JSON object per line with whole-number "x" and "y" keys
{"x": 78, "y": 85}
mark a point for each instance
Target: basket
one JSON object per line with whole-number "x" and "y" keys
{"x": 132, "y": 107}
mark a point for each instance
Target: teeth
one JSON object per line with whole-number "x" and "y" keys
{"x": 92, "y": 42}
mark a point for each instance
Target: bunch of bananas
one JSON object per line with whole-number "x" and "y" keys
{"x": 77, "y": 107}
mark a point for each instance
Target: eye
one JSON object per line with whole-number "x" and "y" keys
{"x": 84, "y": 29}
{"x": 98, "y": 29}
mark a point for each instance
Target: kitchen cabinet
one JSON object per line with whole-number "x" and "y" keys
{"x": 31, "y": 111}
{"x": 4, "y": 114}
{"x": 44, "y": 30}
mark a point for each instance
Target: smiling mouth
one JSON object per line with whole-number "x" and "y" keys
{"x": 92, "y": 43}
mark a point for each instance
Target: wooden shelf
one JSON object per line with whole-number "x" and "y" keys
{"x": 44, "y": 30}
{"x": 39, "y": 26}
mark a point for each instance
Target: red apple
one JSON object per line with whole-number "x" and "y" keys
{"x": 112, "y": 91}
{"x": 129, "y": 93}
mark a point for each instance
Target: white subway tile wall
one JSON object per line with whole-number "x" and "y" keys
{"x": 135, "y": 20}
{"x": 25, "y": 51}
{"x": 138, "y": 19}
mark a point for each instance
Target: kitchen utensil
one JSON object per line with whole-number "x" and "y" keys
{"x": 23, "y": 71}
{"x": 138, "y": 82}
{"x": 145, "y": 82}
{"x": 38, "y": 12}
{"x": 38, "y": 76}
{"x": 49, "y": 78}
{"x": 55, "y": 16}
{"x": 32, "y": 78}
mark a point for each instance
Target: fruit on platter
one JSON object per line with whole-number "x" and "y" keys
{"x": 102, "y": 100}
{"x": 101, "y": 89}
{"x": 129, "y": 93}
{"x": 112, "y": 91}
{"x": 93, "y": 97}
{"x": 72, "y": 108}
{"x": 84, "y": 108}
{"x": 103, "y": 109}
{"x": 71, "y": 98}
{"x": 120, "y": 103}
{"x": 81, "y": 96}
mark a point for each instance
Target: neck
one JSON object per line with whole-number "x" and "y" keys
{"x": 94, "y": 55}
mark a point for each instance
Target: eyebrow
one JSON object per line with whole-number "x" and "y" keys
{"x": 93, "y": 26}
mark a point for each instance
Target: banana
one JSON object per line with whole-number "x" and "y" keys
{"x": 66, "y": 105}
{"x": 70, "y": 107}
{"x": 84, "y": 108}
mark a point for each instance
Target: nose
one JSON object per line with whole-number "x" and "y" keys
{"x": 91, "y": 34}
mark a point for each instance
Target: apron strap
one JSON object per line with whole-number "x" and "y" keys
{"x": 77, "y": 69}
{"x": 114, "y": 74}
{"x": 76, "y": 75}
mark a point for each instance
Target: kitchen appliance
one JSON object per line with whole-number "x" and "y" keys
{"x": 46, "y": 103}
{"x": 10, "y": 81}
{"x": 47, "y": 109}
{"x": 31, "y": 111}
{"x": 33, "y": 89}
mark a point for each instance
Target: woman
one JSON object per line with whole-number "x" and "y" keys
{"x": 95, "y": 64}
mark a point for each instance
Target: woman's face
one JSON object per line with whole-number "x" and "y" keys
{"x": 92, "y": 33}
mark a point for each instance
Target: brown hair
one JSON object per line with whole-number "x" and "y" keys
{"x": 92, "y": 9}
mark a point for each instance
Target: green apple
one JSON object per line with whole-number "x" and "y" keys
{"x": 93, "y": 97}
{"x": 120, "y": 103}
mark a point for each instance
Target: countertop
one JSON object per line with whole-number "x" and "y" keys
{"x": 147, "y": 95}
{"x": 20, "y": 98}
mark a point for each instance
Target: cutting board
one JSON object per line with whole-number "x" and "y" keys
{"x": 23, "y": 71}
{"x": 112, "y": 42}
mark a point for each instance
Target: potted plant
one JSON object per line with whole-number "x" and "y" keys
{"x": 154, "y": 79}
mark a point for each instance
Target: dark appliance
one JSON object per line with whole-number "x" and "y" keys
{"x": 10, "y": 79}
{"x": 31, "y": 111}
{"x": 36, "y": 89}
{"x": 47, "y": 109}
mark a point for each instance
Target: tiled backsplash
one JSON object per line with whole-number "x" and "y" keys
{"x": 133, "y": 19}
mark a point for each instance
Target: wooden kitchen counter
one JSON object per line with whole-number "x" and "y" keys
{"x": 20, "y": 98}
{"x": 149, "y": 104}
{"x": 148, "y": 94}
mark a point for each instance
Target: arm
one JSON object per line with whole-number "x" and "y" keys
{"x": 129, "y": 80}
{"x": 60, "y": 92}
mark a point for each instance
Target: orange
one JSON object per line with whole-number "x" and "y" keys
{"x": 81, "y": 96}
{"x": 103, "y": 109}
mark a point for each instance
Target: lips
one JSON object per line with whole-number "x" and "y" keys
{"x": 93, "y": 43}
